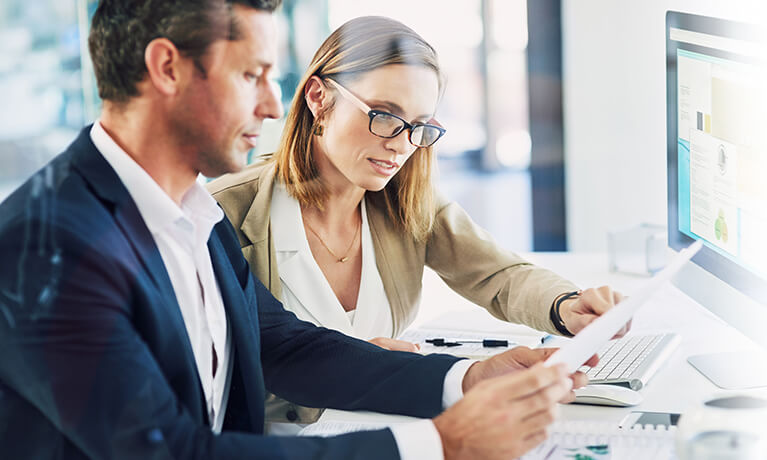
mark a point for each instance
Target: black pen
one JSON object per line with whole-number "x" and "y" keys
{"x": 487, "y": 343}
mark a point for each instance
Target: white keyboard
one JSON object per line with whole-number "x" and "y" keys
{"x": 632, "y": 360}
{"x": 604, "y": 440}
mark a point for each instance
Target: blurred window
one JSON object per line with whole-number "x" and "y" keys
{"x": 49, "y": 93}
{"x": 47, "y": 97}
{"x": 456, "y": 33}
{"x": 482, "y": 47}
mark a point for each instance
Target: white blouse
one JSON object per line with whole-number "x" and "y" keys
{"x": 305, "y": 290}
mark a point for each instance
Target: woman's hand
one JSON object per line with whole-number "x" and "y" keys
{"x": 395, "y": 345}
{"x": 579, "y": 312}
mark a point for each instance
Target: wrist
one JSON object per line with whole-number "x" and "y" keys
{"x": 559, "y": 310}
{"x": 472, "y": 376}
{"x": 444, "y": 427}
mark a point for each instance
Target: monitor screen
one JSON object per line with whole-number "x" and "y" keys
{"x": 717, "y": 147}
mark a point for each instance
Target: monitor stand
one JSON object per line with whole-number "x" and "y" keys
{"x": 733, "y": 370}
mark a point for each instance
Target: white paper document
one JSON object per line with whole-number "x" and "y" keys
{"x": 336, "y": 427}
{"x": 567, "y": 440}
{"x": 593, "y": 337}
{"x": 587, "y": 439}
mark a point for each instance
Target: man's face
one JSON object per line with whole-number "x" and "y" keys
{"x": 218, "y": 119}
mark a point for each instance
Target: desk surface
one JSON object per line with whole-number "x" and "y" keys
{"x": 676, "y": 387}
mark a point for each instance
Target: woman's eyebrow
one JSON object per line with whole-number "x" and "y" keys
{"x": 394, "y": 108}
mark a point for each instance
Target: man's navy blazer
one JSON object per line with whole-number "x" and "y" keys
{"x": 95, "y": 360}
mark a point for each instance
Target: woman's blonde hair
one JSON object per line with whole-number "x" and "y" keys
{"x": 359, "y": 46}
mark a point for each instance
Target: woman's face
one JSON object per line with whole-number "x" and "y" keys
{"x": 347, "y": 151}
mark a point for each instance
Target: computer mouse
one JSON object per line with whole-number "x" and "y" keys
{"x": 607, "y": 395}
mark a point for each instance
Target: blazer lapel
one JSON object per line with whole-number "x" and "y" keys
{"x": 381, "y": 233}
{"x": 373, "y": 307}
{"x": 105, "y": 182}
{"x": 255, "y": 226}
{"x": 303, "y": 277}
{"x": 257, "y": 230}
{"x": 298, "y": 270}
{"x": 134, "y": 229}
{"x": 246, "y": 391}
{"x": 107, "y": 185}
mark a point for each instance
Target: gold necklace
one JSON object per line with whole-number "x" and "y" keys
{"x": 346, "y": 254}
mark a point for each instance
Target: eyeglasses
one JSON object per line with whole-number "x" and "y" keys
{"x": 387, "y": 125}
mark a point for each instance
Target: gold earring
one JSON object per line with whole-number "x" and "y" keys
{"x": 318, "y": 130}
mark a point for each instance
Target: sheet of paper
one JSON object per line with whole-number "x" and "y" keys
{"x": 336, "y": 427}
{"x": 479, "y": 320}
{"x": 590, "y": 452}
{"x": 573, "y": 439}
{"x": 467, "y": 350}
{"x": 596, "y": 440}
{"x": 593, "y": 337}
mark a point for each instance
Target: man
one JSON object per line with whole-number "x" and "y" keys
{"x": 130, "y": 326}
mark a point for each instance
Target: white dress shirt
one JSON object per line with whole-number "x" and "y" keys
{"x": 181, "y": 235}
{"x": 307, "y": 293}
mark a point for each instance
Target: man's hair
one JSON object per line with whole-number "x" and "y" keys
{"x": 122, "y": 29}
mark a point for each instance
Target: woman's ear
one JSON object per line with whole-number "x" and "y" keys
{"x": 317, "y": 96}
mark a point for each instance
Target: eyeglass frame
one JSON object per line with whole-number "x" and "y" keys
{"x": 372, "y": 113}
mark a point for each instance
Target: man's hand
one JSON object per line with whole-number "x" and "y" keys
{"x": 503, "y": 417}
{"x": 578, "y": 312}
{"x": 516, "y": 359}
{"x": 395, "y": 345}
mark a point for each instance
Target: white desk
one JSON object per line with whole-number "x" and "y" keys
{"x": 675, "y": 388}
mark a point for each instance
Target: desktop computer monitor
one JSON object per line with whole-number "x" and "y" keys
{"x": 717, "y": 179}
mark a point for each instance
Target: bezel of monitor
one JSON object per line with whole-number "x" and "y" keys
{"x": 723, "y": 268}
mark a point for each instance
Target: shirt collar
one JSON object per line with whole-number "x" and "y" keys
{"x": 157, "y": 209}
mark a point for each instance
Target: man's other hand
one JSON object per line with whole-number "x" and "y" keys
{"x": 517, "y": 359}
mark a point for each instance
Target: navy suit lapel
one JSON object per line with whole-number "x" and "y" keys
{"x": 130, "y": 222}
{"x": 245, "y": 407}
{"x": 107, "y": 185}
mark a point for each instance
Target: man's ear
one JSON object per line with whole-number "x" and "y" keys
{"x": 317, "y": 96}
{"x": 165, "y": 66}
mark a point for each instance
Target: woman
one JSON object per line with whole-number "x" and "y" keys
{"x": 340, "y": 221}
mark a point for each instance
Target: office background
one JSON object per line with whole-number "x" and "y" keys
{"x": 555, "y": 109}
